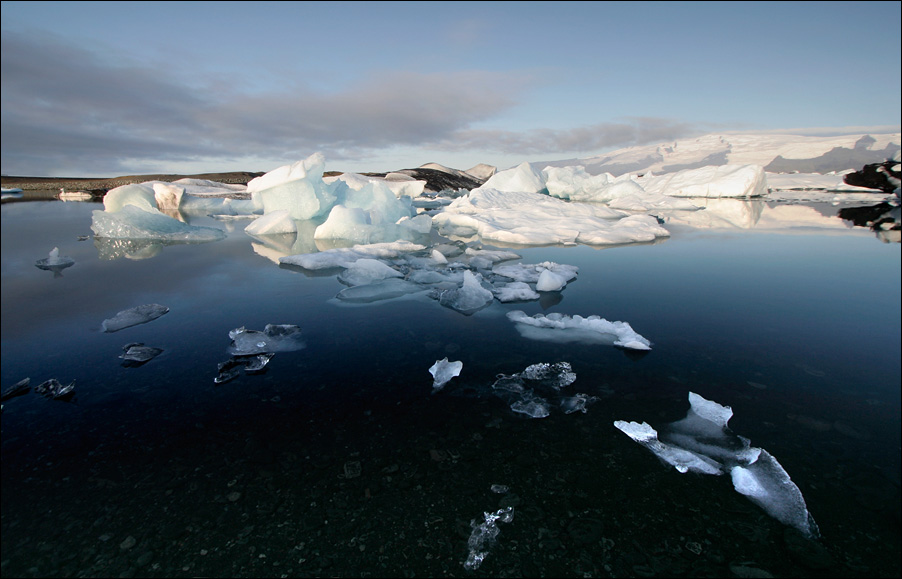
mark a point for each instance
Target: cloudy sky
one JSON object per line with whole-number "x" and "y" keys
{"x": 117, "y": 88}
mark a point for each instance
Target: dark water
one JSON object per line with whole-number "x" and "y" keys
{"x": 339, "y": 461}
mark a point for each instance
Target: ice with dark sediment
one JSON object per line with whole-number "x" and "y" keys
{"x": 703, "y": 442}
{"x": 54, "y": 390}
{"x": 442, "y": 372}
{"x": 137, "y": 354}
{"x": 251, "y": 364}
{"x": 536, "y": 390}
{"x": 20, "y": 388}
{"x": 593, "y": 329}
{"x": 273, "y": 338}
{"x": 133, "y": 317}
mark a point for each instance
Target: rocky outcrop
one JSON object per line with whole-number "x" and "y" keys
{"x": 884, "y": 176}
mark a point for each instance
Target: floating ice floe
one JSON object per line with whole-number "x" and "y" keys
{"x": 484, "y": 535}
{"x": 133, "y": 317}
{"x": 566, "y": 329}
{"x": 702, "y": 442}
{"x": 20, "y": 388}
{"x": 137, "y": 354}
{"x": 273, "y": 338}
{"x": 442, "y": 372}
{"x": 526, "y": 218}
{"x": 470, "y": 297}
{"x": 53, "y": 262}
{"x": 536, "y": 390}
{"x": 55, "y": 391}
{"x": 251, "y": 364}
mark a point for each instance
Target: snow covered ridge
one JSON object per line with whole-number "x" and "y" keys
{"x": 776, "y": 153}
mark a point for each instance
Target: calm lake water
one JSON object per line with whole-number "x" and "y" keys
{"x": 340, "y": 461}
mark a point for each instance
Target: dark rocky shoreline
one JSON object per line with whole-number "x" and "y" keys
{"x": 101, "y": 186}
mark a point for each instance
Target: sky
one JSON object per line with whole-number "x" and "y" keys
{"x": 103, "y": 89}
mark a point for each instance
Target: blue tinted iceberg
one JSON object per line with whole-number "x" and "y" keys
{"x": 132, "y": 222}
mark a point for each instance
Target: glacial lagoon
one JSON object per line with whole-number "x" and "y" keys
{"x": 338, "y": 456}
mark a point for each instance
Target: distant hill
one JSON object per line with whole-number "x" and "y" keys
{"x": 777, "y": 153}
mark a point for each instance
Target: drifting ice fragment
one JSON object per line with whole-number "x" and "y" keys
{"x": 137, "y": 354}
{"x": 18, "y": 389}
{"x": 483, "y": 536}
{"x": 54, "y": 390}
{"x": 566, "y": 329}
{"x": 702, "y": 442}
{"x": 556, "y": 375}
{"x": 252, "y": 364}
{"x": 273, "y": 338}
{"x": 680, "y": 459}
{"x": 768, "y": 485}
{"x": 470, "y": 297}
{"x": 532, "y": 406}
{"x": 443, "y": 370}
{"x": 53, "y": 262}
{"x": 133, "y": 317}
{"x": 386, "y": 289}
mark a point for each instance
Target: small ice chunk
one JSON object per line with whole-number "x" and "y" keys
{"x": 532, "y": 406}
{"x": 377, "y": 291}
{"x": 483, "y": 536}
{"x": 565, "y": 329}
{"x": 443, "y": 370}
{"x": 273, "y": 223}
{"x": 556, "y": 375}
{"x": 273, "y": 338}
{"x": 515, "y": 291}
{"x": 18, "y": 389}
{"x": 681, "y": 459}
{"x": 571, "y": 404}
{"x": 768, "y": 485}
{"x": 366, "y": 270}
{"x": 137, "y": 354}
{"x": 54, "y": 262}
{"x": 54, "y": 390}
{"x": 470, "y": 297}
{"x": 550, "y": 282}
{"x": 133, "y": 317}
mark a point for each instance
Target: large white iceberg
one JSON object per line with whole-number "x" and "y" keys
{"x": 710, "y": 181}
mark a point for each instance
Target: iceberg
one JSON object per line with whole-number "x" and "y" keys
{"x": 442, "y": 372}
{"x": 566, "y": 329}
{"x": 710, "y": 181}
{"x": 272, "y": 223}
{"x": 345, "y": 257}
{"x": 367, "y": 270}
{"x": 681, "y": 459}
{"x": 133, "y": 317}
{"x": 132, "y": 222}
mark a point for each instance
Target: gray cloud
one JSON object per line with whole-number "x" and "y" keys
{"x": 590, "y": 139}
{"x": 64, "y": 108}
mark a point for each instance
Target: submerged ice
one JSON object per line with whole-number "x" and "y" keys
{"x": 536, "y": 390}
{"x": 133, "y": 317}
{"x": 703, "y": 442}
{"x": 274, "y": 338}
